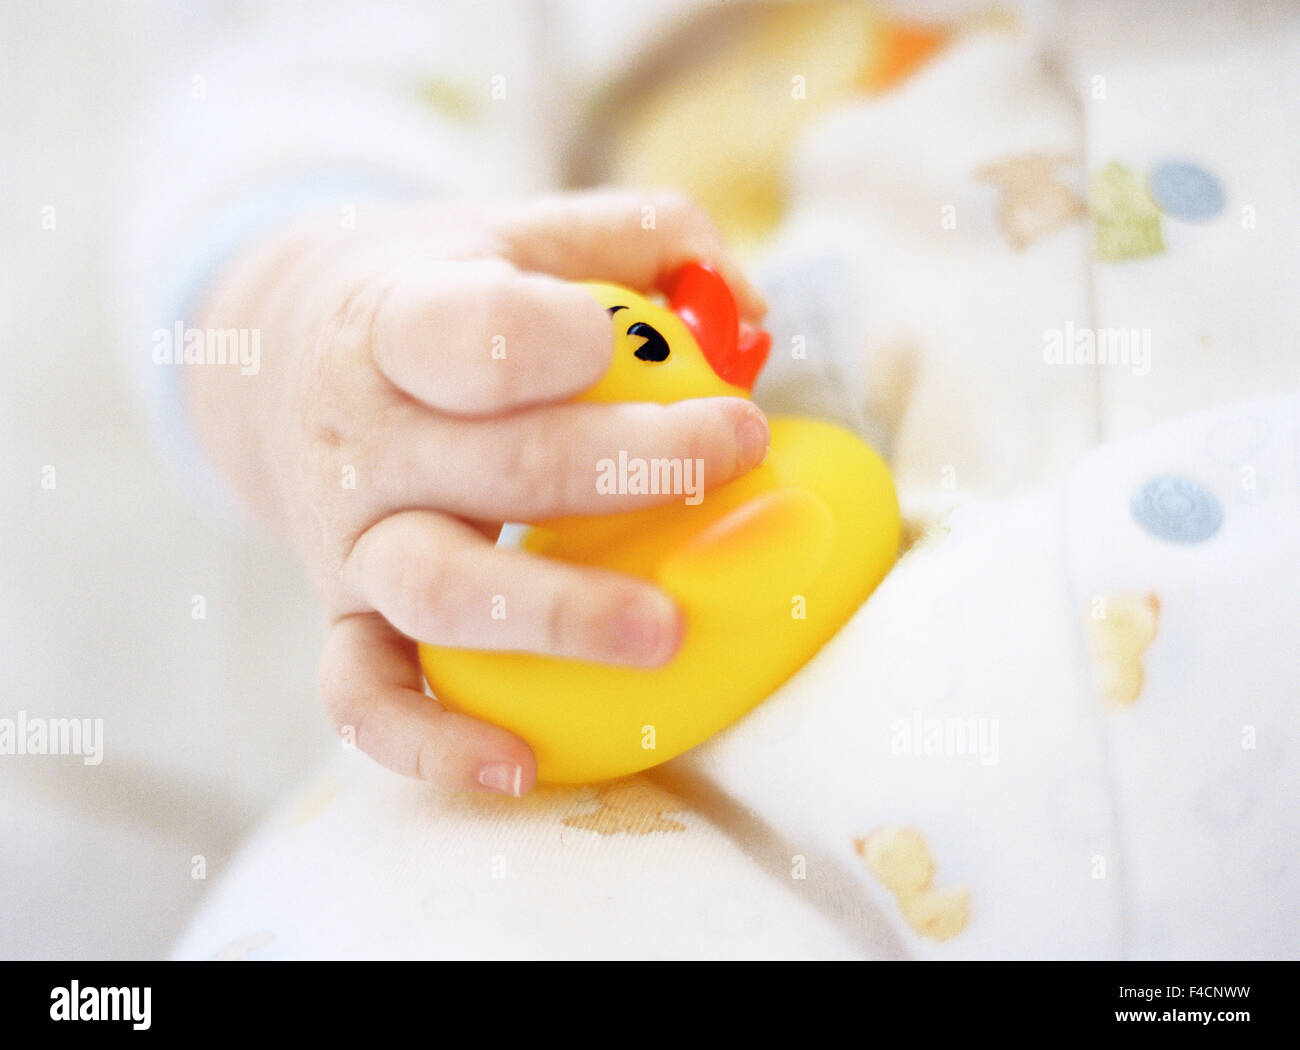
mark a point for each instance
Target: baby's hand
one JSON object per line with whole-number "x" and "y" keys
{"x": 412, "y": 397}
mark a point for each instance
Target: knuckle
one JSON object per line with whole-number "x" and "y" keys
{"x": 564, "y": 622}
{"x": 424, "y": 600}
{"x": 426, "y": 762}
{"x": 692, "y": 431}
{"x": 350, "y": 326}
{"x": 408, "y": 585}
{"x": 345, "y": 709}
{"x": 534, "y": 473}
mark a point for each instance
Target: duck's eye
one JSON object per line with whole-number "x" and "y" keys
{"x": 655, "y": 347}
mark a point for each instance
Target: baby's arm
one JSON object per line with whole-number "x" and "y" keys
{"x": 410, "y": 399}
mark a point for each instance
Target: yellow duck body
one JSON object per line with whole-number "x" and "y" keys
{"x": 766, "y": 568}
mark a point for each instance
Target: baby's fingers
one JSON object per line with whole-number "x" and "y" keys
{"x": 440, "y": 581}
{"x": 373, "y": 690}
{"x": 479, "y": 338}
{"x": 558, "y": 460}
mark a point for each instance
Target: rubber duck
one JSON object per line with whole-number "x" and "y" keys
{"x": 766, "y": 567}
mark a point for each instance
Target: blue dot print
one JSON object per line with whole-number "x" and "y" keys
{"x": 1177, "y": 509}
{"x": 1185, "y": 191}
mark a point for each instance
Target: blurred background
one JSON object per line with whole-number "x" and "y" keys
{"x": 98, "y": 573}
{"x": 196, "y": 642}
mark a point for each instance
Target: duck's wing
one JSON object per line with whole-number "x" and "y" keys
{"x": 762, "y": 554}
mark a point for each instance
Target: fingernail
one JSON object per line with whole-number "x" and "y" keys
{"x": 648, "y": 630}
{"x": 753, "y": 439}
{"x": 502, "y": 777}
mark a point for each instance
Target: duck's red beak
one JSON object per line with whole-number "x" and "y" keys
{"x": 700, "y": 297}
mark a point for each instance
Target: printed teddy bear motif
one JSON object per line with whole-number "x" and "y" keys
{"x": 900, "y": 858}
{"x": 1120, "y": 629}
{"x": 630, "y": 807}
{"x": 1034, "y": 202}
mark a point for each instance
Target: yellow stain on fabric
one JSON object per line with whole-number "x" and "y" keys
{"x": 901, "y": 859}
{"x": 1120, "y": 628}
{"x": 450, "y": 99}
{"x": 314, "y": 801}
{"x": 723, "y": 129}
{"x": 630, "y": 807}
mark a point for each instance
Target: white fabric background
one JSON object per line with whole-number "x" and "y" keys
{"x": 209, "y": 722}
